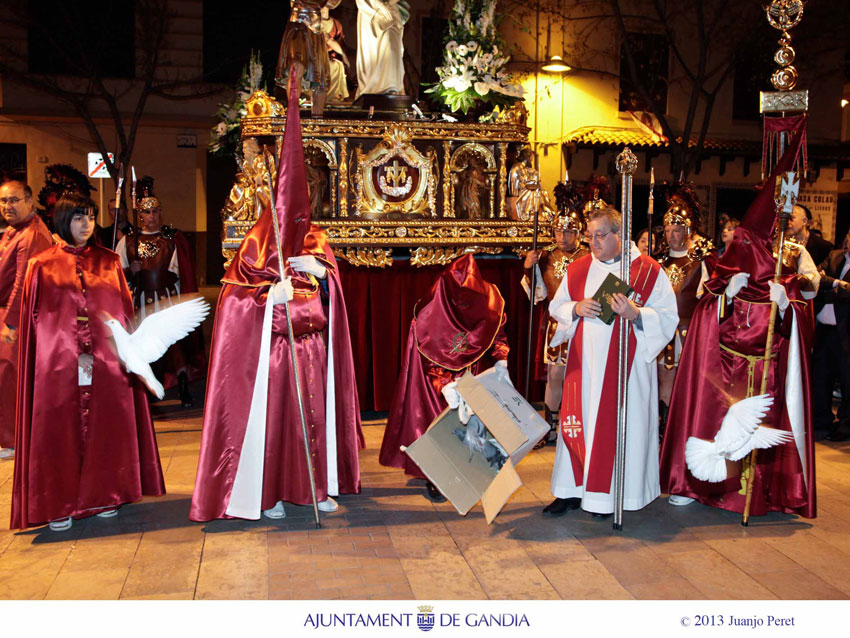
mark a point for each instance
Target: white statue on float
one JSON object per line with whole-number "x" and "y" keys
{"x": 380, "y": 50}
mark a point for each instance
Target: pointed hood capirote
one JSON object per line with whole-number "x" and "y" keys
{"x": 257, "y": 262}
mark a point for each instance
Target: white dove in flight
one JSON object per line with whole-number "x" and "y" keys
{"x": 153, "y": 337}
{"x": 739, "y": 434}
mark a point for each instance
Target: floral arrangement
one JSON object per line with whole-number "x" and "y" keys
{"x": 224, "y": 136}
{"x": 474, "y": 61}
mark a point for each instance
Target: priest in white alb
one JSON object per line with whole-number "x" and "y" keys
{"x": 584, "y": 460}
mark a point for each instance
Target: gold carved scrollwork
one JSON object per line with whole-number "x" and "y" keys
{"x": 419, "y": 130}
{"x": 374, "y": 257}
{"x": 503, "y": 178}
{"x": 343, "y": 177}
{"x": 448, "y": 198}
{"x": 427, "y": 256}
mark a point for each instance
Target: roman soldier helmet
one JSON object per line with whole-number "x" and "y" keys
{"x": 597, "y": 193}
{"x": 568, "y": 202}
{"x": 60, "y": 179}
{"x": 146, "y": 199}
{"x": 683, "y": 205}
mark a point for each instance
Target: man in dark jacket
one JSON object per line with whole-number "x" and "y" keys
{"x": 831, "y": 356}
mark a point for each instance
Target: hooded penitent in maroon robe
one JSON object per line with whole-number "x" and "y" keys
{"x": 17, "y": 244}
{"x": 461, "y": 327}
{"x": 252, "y": 448}
{"x": 80, "y": 448}
{"x": 722, "y": 362}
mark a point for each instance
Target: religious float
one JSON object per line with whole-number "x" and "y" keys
{"x": 437, "y": 189}
{"x": 385, "y": 178}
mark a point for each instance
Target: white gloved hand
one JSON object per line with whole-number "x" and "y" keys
{"x": 308, "y": 264}
{"x": 282, "y": 291}
{"x": 778, "y": 295}
{"x": 502, "y": 374}
{"x": 451, "y": 395}
{"x": 456, "y": 402}
{"x": 736, "y": 283}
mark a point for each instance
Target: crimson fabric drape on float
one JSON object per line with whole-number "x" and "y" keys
{"x": 381, "y": 302}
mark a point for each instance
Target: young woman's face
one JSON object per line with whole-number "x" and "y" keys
{"x": 727, "y": 234}
{"x": 643, "y": 243}
{"x": 82, "y": 228}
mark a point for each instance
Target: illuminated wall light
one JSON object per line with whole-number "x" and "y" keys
{"x": 844, "y": 102}
{"x": 556, "y": 64}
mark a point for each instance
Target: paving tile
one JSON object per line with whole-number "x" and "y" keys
{"x": 672, "y": 589}
{"x": 163, "y": 568}
{"x": 752, "y": 555}
{"x": 799, "y": 584}
{"x": 715, "y": 576}
{"x": 635, "y": 566}
{"x": 88, "y": 584}
{"x": 584, "y": 580}
{"x": 503, "y": 567}
{"x": 234, "y": 566}
{"x": 819, "y": 557}
{"x": 449, "y": 584}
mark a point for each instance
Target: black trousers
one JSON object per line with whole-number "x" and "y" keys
{"x": 830, "y": 360}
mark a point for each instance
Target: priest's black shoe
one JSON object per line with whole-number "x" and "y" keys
{"x": 561, "y": 506}
{"x": 183, "y": 390}
{"x": 601, "y": 516}
{"x": 433, "y": 494}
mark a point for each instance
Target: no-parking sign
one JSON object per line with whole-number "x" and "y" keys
{"x": 97, "y": 165}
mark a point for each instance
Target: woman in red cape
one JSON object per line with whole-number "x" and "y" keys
{"x": 460, "y": 327}
{"x": 723, "y": 360}
{"x": 85, "y": 440}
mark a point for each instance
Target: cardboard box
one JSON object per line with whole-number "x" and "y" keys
{"x": 445, "y": 460}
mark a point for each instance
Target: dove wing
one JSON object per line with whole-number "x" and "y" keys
{"x": 161, "y": 329}
{"x": 741, "y": 420}
{"x": 763, "y": 438}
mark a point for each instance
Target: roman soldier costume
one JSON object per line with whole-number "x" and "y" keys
{"x": 686, "y": 268}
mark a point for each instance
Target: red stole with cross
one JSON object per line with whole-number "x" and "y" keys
{"x": 643, "y": 273}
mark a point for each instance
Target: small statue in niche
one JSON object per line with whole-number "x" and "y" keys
{"x": 526, "y": 195}
{"x": 473, "y": 184}
{"x": 316, "y": 187}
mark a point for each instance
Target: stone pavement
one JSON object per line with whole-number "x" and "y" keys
{"x": 390, "y": 542}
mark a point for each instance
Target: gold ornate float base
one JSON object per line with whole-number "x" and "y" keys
{"x": 433, "y": 190}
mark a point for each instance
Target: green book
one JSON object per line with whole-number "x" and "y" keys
{"x": 608, "y": 287}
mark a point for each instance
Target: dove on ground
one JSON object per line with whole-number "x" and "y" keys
{"x": 739, "y": 434}
{"x": 154, "y": 336}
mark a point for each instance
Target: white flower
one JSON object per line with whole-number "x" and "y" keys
{"x": 482, "y": 88}
{"x": 462, "y": 50}
{"x": 459, "y": 82}
{"x": 220, "y": 129}
{"x": 451, "y": 47}
{"x": 472, "y": 45}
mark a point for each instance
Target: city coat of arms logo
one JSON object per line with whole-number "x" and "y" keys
{"x": 425, "y": 618}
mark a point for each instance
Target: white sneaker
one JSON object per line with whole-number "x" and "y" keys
{"x": 328, "y": 505}
{"x": 676, "y": 499}
{"x": 108, "y": 513}
{"x": 276, "y": 512}
{"x": 61, "y": 525}
{"x": 7, "y": 453}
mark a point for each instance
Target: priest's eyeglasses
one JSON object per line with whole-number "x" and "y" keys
{"x": 597, "y": 236}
